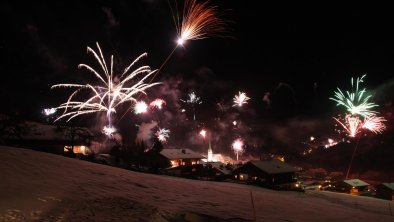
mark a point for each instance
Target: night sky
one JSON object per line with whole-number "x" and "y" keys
{"x": 297, "y": 54}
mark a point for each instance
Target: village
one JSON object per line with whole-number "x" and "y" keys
{"x": 270, "y": 172}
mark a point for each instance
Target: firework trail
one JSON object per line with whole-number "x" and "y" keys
{"x": 158, "y": 103}
{"x": 237, "y": 146}
{"x": 240, "y": 99}
{"x": 196, "y": 21}
{"x": 163, "y": 134}
{"x": 113, "y": 91}
{"x": 357, "y": 101}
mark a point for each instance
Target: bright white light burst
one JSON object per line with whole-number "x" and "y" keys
{"x": 140, "y": 107}
{"x": 240, "y": 99}
{"x": 163, "y": 134}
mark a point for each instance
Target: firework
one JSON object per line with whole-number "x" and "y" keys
{"x": 331, "y": 143}
{"x": 198, "y": 21}
{"x": 158, "y": 103}
{"x": 374, "y": 124}
{"x": 357, "y": 101}
{"x": 237, "y": 146}
{"x": 108, "y": 130}
{"x": 140, "y": 107}
{"x": 195, "y": 21}
{"x": 113, "y": 91}
{"x": 203, "y": 133}
{"x": 49, "y": 111}
{"x": 351, "y": 124}
{"x": 193, "y": 100}
{"x": 240, "y": 99}
{"x": 163, "y": 134}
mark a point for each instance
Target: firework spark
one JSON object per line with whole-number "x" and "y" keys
{"x": 113, "y": 91}
{"x": 374, "y": 124}
{"x": 108, "y": 130}
{"x": 240, "y": 99}
{"x": 198, "y": 21}
{"x": 193, "y": 99}
{"x": 357, "y": 101}
{"x": 237, "y": 146}
{"x": 158, "y": 103}
{"x": 140, "y": 107}
{"x": 203, "y": 133}
{"x": 351, "y": 124}
{"x": 49, "y": 111}
{"x": 163, "y": 134}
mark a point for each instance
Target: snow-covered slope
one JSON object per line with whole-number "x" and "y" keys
{"x": 46, "y": 187}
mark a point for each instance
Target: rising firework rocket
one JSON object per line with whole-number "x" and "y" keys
{"x": 198, "y": 21}
{"x": 195, "y": 21}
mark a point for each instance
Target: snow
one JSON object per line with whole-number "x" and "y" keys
{"x": 47, "y": 187}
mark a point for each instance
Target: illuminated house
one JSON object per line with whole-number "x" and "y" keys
{"x": 268, "y": 173}
{"x": 385, "y": 191}
{"x": 181, "y": 157}
{"x": 171, "y": 159}
{"x": 353, "y": 186}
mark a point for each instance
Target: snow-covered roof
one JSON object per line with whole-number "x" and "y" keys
{"x": 389, "y": 185}
{"x": 220, "y": 167}
{"x": 356, "y": 183}
{"x": 273, "y": 166}
{"x": 174, "y": 154}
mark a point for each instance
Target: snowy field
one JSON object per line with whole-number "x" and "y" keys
{"x": 36, "y": 186}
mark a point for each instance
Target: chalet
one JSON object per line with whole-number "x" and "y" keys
{"x": 218, "y": 171}
{"x": 352, "y": 186}
{"x": 181, "y": 157}
{"x": 270, "y": 173}
{"x": 171, "y": 158}
{"x": 385, "y": 191}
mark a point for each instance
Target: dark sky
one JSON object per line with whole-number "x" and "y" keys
{"x": 299, "y": 54}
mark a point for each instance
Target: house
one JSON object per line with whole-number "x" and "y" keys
{"x": 171, "y": 158}
{"x": 385, "y": 191}
{"x": 181, "y": 157}
{"x": 352, "y": 186}
{"x": 269, "y": 173}
{"x": 217, "y": 171}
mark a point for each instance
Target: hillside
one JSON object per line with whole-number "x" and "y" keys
{"x": 47, "y": 187}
